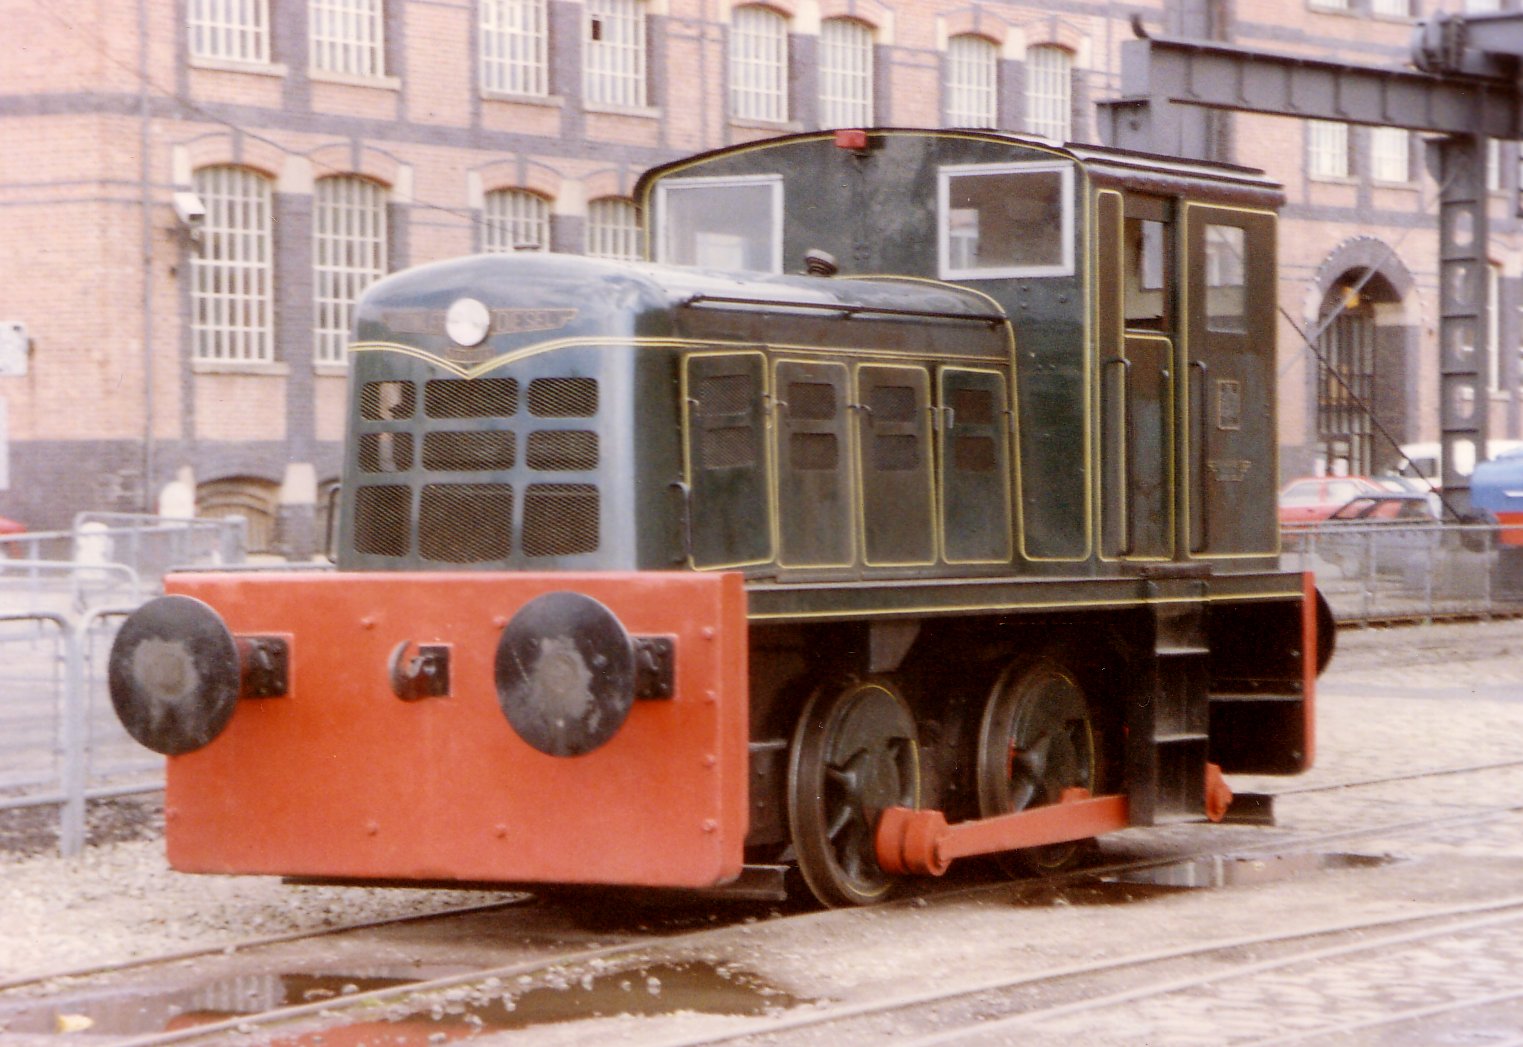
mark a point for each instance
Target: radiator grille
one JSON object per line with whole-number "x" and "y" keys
{"x": 563, "y": 449}
{"x": 382, "y": 520}
{"x": 465, "y": 523}
{"x": 461, "y": 398}
{"x": 560, "y": 519}
{"x": 469, "y": 451}
{"x": 896, "y": 453}
{"x": 813, "y": 450}
{"x": 385, "y": 452}
{"x": 729, "y": 448}
{"x": 384, "y": 401}
{"x": 892, "y": 403}
{"x": 815, "y": 401}
{"x": 725, "y": 394}
{"x": 563, "y": 397}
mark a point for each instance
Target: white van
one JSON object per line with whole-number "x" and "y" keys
{"x": 1422, "y": 458}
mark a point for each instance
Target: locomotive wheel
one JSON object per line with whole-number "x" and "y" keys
{"x": 854, "y": 754}
{"x": 1036, "y": 740}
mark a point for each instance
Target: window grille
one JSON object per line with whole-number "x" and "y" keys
{"x": 758, "y": 65}
{"x": 230, "y": 30}
{"x": 515, "y": 47}
{"x": 515, "y": 220}
{"x": 1390, "y": 154}
{"x": 1391, "y": 8}
{"x": 1493, "y": 165}
{"x": 615, "y": 53}
{"x": 1482, "y": 6}
{"x": 348, "y": 254}
{"x": 1326, "y": 149}
{"x": 1493, "y": 327}
{"x": 972, "y": 62}
{"x": 345, "y": 36}
{"x": 613, "y": 229}
{"x": 1049, "y": 93}
{"x": 846, "y": 73}
{"x": 231, "y": 315}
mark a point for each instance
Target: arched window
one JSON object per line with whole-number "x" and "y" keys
{"x": 972, "y": 64}
{"x": 613, "y": 228}
{"x": 348, "y": 254}
{"x": 758, "y": 65}
{"x": 515, "y": 220}
{"x": 1049, "y": 92}
{"x": 846, "y": 73}
{"x": 232, "y": 319}
{"x": 515, "y": 47}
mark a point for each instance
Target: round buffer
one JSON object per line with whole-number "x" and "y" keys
{"x": 565, "y": 673}
{"x": 174, "y": 674}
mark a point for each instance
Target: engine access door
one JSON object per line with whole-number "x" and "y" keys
{"x": 1227, "y": 401}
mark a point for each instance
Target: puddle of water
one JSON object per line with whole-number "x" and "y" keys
{"x": 127, "y": 1012}
{"x": 1228, "y": 871}
{"x": 461, "y": 1013}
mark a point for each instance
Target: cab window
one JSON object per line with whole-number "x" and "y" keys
{"x": 721, "y": 223}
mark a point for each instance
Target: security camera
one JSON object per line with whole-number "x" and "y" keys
{"x": 190, "y": 210}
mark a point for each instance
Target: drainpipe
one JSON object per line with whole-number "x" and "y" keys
{"x": 145, "y": 171}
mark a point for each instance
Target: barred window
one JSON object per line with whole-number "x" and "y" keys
{"x": 345, "y": 36}
{"x": 231, "y": 30}
{"x": 1049, "y": 93}
{"x": 348, "y": 253}
{"x": 514, "y": 220}
{"x": 615, "y": 53}
{"x": 231, "y": 294}
{"x": 1326, "y": 149}
{"x": 972, "y": 64}
{"x": 758, "y": 65}
{"x": 515, "y": 47}
{"x": 1390, "y": 154}
{"x": 1482, "y": 6}
{"x": 1391, "y": 8}
{"x": 846, "y": 73}
{"x": 613, "y": 229}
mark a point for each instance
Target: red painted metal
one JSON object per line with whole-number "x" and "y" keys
{"x": 851, "y": 139}
{"x": 1309, "y": 668}
{"x": 1218, "y": 793}
{"x": 341, "y": 779}
{"x": 1510, "y": 528}
{"x": 911, "y": 841}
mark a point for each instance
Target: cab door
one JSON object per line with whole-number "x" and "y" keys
{"x": 1137, "y": 322}
{"x": 1226, "y": 410}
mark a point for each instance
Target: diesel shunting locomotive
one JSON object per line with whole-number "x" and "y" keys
{"x": 915, "y": 500}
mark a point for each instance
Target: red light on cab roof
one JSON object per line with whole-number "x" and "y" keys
{"x": 851, "y": 139}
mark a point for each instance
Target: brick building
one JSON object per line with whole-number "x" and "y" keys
{"x": 192, "y": 192}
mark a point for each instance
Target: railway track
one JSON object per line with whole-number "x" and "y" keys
{"x": 951, "y": 1013}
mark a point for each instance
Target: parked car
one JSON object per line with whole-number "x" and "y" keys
{"x": 1313, "y": 498}
{"x": 1374, "y": 534}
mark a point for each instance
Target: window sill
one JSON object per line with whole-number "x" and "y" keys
{"x": 779, "y": 126}
{"x": 330, "y": 370}
{"x": 1327, "y": 179}
{"x": 1410, "y": 186}
{"x": 646, "y": 112}
{"x": 228, "y": 65}
{"x": 544, "y": 101}
{"x": 377, "y": 83}
{"x": 271, "y": 369}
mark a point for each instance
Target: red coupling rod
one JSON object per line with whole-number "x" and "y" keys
{"x": 911, "y": 841}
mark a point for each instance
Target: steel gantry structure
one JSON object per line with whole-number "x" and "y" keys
{"x": 1466, "y": 87}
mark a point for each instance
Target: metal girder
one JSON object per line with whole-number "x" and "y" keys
{"x": 1158, "y": 73}
{"x": 1469, "y": 90}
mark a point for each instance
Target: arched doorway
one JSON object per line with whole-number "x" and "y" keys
{"x": 254, "y": 499}
{"x": 1362, "y": 393}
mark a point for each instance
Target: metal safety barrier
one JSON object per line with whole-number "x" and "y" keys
{"x": 1374, "y": 571}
